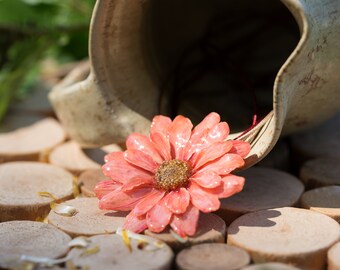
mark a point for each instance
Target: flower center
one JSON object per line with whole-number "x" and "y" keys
{"x": 172, "y": 174}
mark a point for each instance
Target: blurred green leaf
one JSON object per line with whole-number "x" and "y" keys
{"x": 32, "y": 29}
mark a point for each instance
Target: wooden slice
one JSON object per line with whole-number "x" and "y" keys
{"x": 31, "y": 238}
{"x": 325, "y": 200}
{"x": 32, "y": 142}
{"x": 321, "y": 172}
{"x": 14, "y": 120}
{"x": 290, "y": 235}
{"x": 270, "y": 266}
{"x": 89, "y": 219}
{"x": 114, "y": 254}
{"x": 210, "y": 229}
{"x": 20, "y": 184}
{"x": 71, "y": 157}
{"x": 89, "y": 179}
{"x": 264, "y": 188}
{"x": 323, "y": 140}
{"x": 333, "y": 257}
{"x": 212, "y": 256}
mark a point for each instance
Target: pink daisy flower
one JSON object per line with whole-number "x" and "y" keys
{"x": 167, "y": 178}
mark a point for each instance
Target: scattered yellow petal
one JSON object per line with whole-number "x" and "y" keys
{"x": 47, "y": 194}
{"x": 62, "y": 209}
{"x": 126, "y": 240}
{"x": 80, "y": 241}
{"x": 90, "y": 251}
{"x": 42, "y": 219}
{"x": 149, "y": 245}
{"x": 179, "y": 238}
{"x": 76, "y": 190}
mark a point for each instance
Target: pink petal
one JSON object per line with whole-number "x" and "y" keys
{"x": 225, "y": 164}
{"x": 232, "y": 184}
{"x": 202, "y": 199}
{"x": 134, "y": 223}
{"x": 206, "y": 179}
{"x": 141, "y": 160}
{"x": 137, "y": 182}
{"x": 119, "y": 200}
{"x": 105, "y": 187}
{"x": 195, "y": 144}
{"x": 185, "y": 224}
{"x": 218, "y": 133}
{"x": 158, "y": 217}
{"x": 148, "y": 202}
{"x": 120, "y": 170}
{"x": 241, "y": 148}
{"x": 211, "y": 120}
{"x": 203, "y": 139}
{"x": 162, "y": 145}
{"x": 179, "y": 135}
{"x": 212, "y": 152}
{"x": 142, "y": 143}
{"x": 160, "y": 124}
{"x": 177, "y": 201}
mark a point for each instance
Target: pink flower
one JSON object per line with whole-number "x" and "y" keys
{"x": 167, "y": 178}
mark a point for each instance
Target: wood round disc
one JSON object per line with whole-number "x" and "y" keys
{"x": 31, "y": 238}
{"x": 32, "y": 142}
{"x": 324, "y": 171}
{"x": 21, "y": 183}
{"x": 323, "y": 140}
{"x": 264, "y": 188}
{"x": 71, "y": 157}
{"x": 210, "y": 229}
{"x": 89, "y": 179}
{"x": 333, "y": 257}
{"x": 114, "y": 254}
{"x": 212, "y": 256}
{"x": 270, "y": 266}
{"x": 89, "y": 219}
{"x": 325, "y": 200}
{"x": 290, "y": 235}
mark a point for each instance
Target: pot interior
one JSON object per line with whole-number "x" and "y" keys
{"x": 218, "y": 56}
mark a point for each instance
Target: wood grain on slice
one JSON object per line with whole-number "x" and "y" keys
{"x": 71, "y": 157}
{"x": 264, "y": 188}
{"x": 325, "y": 200}
{"x": 31, "y": 238}
{"x": 89, "y": 179}
{"x": 333, "y": 257}
{"x": 20, "y": 184}
{"x": 270, "y": 266}
{"x": 33, "y": 142}
{"x": 324, "y": 171}
{"x": 210, "y": 229}
{"x": 289, "y": 235}
{"x": 89, "y": 219}
{"x": 114, "y": 254}
{"x": 323, "y": 140}
{"x": 212, "y": 256}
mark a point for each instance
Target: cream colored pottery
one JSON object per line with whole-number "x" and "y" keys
{"x": 122, "y": 92}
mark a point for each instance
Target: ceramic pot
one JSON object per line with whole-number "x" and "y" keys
{"x": 138, "y": 48}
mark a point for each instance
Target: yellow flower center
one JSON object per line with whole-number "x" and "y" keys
{"x": 172, "y": 174}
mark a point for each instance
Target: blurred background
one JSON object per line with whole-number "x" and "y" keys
{"x": 40, "y": 41}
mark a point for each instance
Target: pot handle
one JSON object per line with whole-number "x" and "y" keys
{"x": 88, "y": 116}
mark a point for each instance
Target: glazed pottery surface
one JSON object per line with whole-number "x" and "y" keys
{"x": 128, "y": 60}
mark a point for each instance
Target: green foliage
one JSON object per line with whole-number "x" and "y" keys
{"x": 31, "y": 30}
